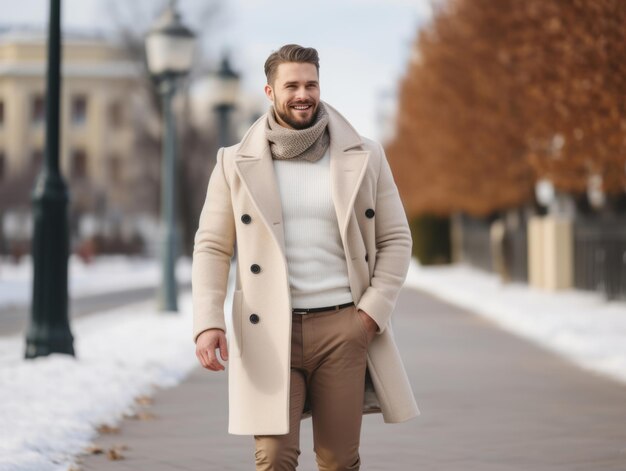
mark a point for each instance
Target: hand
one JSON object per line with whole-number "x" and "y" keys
{"x": 206, "y": 344}
{"x": 370, "y": 324}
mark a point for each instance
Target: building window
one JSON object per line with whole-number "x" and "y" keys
{"x": 1, "y": 112}
{"x": 78, "y": 165}
{"x": 2, "y": 166}
{"x": 79, "y": 110}
{"x": 38, "y": 109}
{"x": 115, "y": 168}
{"x": 36, "y": 159}
{"x": 116, "y": 115}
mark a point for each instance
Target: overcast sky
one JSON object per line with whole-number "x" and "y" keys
{"x": 363, "y": 44}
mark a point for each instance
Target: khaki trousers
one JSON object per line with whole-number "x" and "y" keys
{"x": 328, "y": 363}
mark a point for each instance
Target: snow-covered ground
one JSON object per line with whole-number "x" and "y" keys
{"x": 50, "y": 407}
{"x": 104, "y": 275}
{"x": 579, "y": 325}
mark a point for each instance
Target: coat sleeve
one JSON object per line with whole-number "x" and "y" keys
{"x": 393, "y": 249}
{"x": 212, "y": 252}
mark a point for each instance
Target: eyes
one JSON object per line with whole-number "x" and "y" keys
{"x": 309, "y": 86}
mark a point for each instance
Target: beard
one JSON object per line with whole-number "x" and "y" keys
{"x": 284, "y": 114}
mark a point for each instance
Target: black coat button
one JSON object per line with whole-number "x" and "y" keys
{"x": 254, "y": 268}
{"x": 370, "y": 213}
{"x": 254, "y": 318}
{"x": 367, "y": 257}
{"x": 246, "y": 219}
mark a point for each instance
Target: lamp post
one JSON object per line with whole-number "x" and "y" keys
{"x": 49, "y": 330}
{"x": 226, "y": 90}
{"x": 169, "y": 52}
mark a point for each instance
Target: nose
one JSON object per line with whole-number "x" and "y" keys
{"x": 301, "y": 94}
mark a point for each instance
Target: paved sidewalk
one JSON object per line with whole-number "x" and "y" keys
{"x": 490, "y": 401}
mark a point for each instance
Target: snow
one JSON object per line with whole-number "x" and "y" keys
{"x": 580, "y": 326}
{"x": 103, "y": 275}
{"x": 51, "y": 407}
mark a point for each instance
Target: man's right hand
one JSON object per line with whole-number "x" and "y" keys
{"x": 206, "y": 344}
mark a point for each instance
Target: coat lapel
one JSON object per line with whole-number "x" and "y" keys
{"x": 256, "y": 170}
{"x": 347, "y": 166}
{"x": 347, "y": 170}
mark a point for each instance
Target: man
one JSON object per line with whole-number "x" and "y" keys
{"x": 323, "y": 247}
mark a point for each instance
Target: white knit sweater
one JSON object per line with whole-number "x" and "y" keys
{"x": 318, "y": 273}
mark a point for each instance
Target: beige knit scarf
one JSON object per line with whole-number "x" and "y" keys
{"x": 298, "y": 144}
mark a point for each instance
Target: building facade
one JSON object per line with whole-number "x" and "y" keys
{"x": 99, "y": 101}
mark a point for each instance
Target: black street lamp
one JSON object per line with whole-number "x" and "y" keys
{"x": 226, "y": 90}
{"x": 49, "y": 330}
{"x": 169, "y": 51}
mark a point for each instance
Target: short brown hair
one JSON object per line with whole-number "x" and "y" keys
{"x": 290, "y": 53}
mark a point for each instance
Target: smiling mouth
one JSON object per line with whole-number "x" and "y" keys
{"x": 301, "y": 107}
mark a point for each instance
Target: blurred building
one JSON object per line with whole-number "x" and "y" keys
{"x": 110, "y": 139}
{"x": 99, "y": 93}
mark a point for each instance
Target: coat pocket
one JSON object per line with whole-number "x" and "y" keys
{"x": 234, "y": 341}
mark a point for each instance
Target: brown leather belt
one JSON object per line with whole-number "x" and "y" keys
{"x": 320, "y": 309}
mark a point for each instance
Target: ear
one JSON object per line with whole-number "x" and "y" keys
{"x": 269, "y": 92}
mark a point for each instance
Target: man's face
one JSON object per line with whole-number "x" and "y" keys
{"x": 295, "y": 94}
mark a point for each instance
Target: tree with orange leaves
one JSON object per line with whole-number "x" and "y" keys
{"x": 502, "y": 93}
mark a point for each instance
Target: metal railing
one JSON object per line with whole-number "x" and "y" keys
{"x": 476, "y": 243}
{"x": 516, "y": 253}
{"x": 599, "y": 252}
{"x": 600, "y": 256}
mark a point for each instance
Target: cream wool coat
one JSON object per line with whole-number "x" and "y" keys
{"x": 378, "y": 250}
